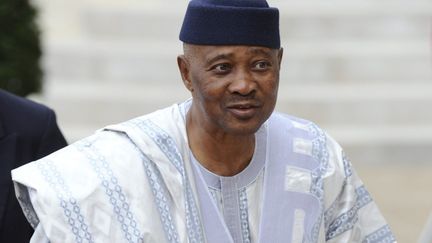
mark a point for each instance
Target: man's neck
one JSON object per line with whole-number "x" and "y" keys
{"x": 221, "y": 153}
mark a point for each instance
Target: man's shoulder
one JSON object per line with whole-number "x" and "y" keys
{"x": 291, "y": 121}
{"x": 298, "y": 127}
{"x": 105, "y": 143}
{"x": 165, "y": 118}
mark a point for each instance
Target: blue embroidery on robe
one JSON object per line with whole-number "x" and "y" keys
{"x": 159, "y": 192}
{"x": 382, "y": 235}
{"x": 69, "y": 204}
{"x": 329, "y": 214}
{"x": 320, "y": 154}
{"x": 113, "y": 190}
{"x": 347, "y": 220}
{"x": 244, "y": 216}
{"x": 347, "y": 165}
{"x": 168, "y": 146}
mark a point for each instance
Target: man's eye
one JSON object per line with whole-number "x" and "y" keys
{"x": 223, "y": 67}
{"x": 262, "y": 65}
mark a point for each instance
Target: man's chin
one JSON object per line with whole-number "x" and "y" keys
{"x": 243, "y": 130}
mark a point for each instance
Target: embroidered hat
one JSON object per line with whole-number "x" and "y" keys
{"x": 231, "y": 22}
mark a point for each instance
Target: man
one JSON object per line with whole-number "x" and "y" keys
{"x": 28, "y": 131}
{"x": 220, "y": 167}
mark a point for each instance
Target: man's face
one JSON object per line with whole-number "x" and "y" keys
{"x": 234, "y": 88}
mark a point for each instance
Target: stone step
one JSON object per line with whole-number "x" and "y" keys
{"x": 299, "y": 19}
{"x": 354, "y": 104}
{"x": 409, "y": 144}
{"x": 304, "y": 61}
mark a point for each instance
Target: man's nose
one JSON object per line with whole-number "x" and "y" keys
{"x": 243, "y": 83}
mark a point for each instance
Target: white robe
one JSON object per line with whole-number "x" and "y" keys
{"x": 137, "y": 182}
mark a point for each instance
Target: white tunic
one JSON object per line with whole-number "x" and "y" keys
{"x": 138, "y": 182}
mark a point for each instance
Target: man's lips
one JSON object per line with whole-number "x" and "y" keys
{"x": 243, "y": 104}
{"x": 243, "y": 110}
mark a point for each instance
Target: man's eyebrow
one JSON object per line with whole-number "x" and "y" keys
{"x": 218, "y": 57}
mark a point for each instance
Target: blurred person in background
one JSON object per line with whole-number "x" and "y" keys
{"x": 28, "y": 131}
{"x": 219, "y": 167}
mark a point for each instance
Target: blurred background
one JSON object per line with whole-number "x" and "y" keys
{"x": 360, "y": 69}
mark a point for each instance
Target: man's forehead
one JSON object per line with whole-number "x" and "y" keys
{"x": 229, "y": 50}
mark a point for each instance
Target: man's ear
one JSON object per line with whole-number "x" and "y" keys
{"x": 183, "y": 65}
{"x": 280, "y": 55}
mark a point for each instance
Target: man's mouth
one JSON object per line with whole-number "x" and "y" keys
{"x": 243, "y": 110}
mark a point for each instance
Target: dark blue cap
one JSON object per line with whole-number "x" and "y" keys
{"x": 231, "y": 22}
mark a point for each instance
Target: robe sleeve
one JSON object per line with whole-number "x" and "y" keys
{"x": 351, "y": 215}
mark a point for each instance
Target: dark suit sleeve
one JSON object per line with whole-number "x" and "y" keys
{"x": 52, "y": 138}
